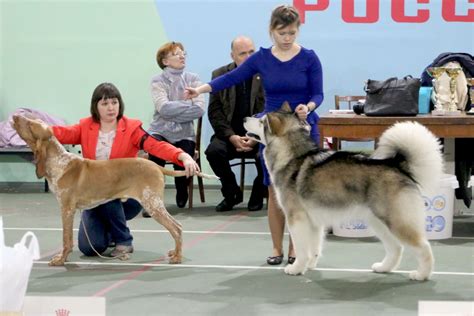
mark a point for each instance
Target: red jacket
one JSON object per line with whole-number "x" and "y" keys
{"x": 126, "y": 143}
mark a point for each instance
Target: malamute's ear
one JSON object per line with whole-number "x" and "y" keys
{"x": 286, "y": 107}
{"x": 275, "y": 125}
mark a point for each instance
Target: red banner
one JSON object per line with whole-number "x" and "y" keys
{"x": 398, "y": 12}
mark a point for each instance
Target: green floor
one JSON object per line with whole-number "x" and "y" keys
{"x": 224, "y": 270}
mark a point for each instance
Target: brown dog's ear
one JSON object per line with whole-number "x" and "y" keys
{"x": 285, "y": 107}
{"x": 40, "y": 159}
{"x": 40, "y": 130}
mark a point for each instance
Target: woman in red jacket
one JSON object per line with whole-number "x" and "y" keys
{"x": 108, "y": 134}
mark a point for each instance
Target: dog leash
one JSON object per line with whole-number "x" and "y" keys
{"x": 122, "y": 256}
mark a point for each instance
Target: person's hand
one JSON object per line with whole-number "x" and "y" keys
{"x": 190, "y": 93}
{"x": 190, "y": 166}
{"x": 237, "y": 142}
{"x": 240, "y": 143}
{"x": 249, "y": 142}
{"x": 302, "y": 111}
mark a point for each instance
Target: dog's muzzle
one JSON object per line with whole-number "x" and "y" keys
{"x": 254, "y": 136}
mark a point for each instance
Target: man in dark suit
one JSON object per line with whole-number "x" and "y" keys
{"x": 227, "y": 110}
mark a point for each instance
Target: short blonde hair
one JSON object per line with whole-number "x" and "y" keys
{"x": 165, "y": 50}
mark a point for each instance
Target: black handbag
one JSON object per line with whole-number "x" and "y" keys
{"x": 392, "y": 97}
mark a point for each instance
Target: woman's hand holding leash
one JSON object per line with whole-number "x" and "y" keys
{"x": 190, "y": 166}
{"x": 302, "y": 112}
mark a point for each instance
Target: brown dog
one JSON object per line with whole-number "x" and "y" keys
{"x": 80, "y": 183}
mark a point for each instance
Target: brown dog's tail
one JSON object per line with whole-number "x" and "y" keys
{"x": 181, "y": 173}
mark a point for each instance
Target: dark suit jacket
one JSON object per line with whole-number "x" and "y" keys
{"x": 222, "y": 103}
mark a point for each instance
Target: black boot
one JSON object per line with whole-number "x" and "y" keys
{"x": 228, "y": 204}
{"x": 259, "y": 192}
{"x": 182, "y": 198}
{"x": 181, "y": 191}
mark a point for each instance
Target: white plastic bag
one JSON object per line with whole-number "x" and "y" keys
{"x": 15, "y": 268}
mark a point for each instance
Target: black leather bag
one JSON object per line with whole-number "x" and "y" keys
{"x": 392, "y": 97}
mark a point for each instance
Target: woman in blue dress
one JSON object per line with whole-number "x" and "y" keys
{"x": 289, "y": 73}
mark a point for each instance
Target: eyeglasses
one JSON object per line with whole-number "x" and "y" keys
{"x": 179, "y": 53}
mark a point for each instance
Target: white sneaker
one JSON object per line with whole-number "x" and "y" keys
{"x": 121, "y": 250}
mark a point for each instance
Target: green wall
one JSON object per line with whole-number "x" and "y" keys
{"x": 54, "y": 53}
{"x": 2, "y": 26}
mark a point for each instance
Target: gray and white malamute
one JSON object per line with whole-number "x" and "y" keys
{"x": 317, "y": 188}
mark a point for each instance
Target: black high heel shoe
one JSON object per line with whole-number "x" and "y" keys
{"x": 291, "y": 259}
{"x": 275, "y": 260}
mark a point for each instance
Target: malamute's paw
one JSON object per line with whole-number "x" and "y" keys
{"x": 417, "y": 276}
{"x": 379, "y": 267}
{"x": 313, "y": 262}
{"x": 293, "y": 269}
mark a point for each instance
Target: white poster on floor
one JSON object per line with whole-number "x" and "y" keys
{"x": 445, "y": 308}
{"x": 63, "y": 306}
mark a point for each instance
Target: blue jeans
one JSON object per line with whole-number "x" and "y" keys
{"x": 106, "y": 223}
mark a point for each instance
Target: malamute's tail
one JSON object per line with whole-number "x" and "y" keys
{"x": 420, "y": 148}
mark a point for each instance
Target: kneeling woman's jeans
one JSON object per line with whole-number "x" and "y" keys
{"x": 106, "y": 223}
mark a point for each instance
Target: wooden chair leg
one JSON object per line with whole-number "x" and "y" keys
{"x": 200, "y": 182}
{"x": 242, "y": 175}
{"x": 190, "y": 192}
{"x": 336, "y": 144}
{"x": 201, "y": 189}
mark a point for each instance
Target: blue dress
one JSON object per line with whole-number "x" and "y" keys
{"x": 297, "y": 81}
